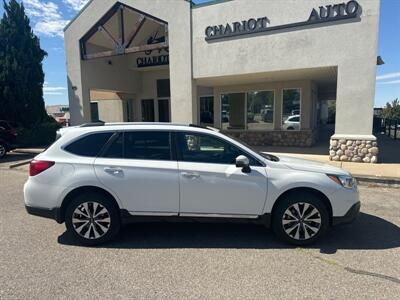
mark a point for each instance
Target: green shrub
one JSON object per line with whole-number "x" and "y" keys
{"x": 40, "y": 135}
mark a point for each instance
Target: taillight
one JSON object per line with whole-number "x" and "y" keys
{"x": 38, "y": 166}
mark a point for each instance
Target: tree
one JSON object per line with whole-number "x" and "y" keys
{"x": 21, "y": 71}
{"x": 391, "y": 110}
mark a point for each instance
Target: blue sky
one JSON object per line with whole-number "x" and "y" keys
{"x": 48, "y": 18}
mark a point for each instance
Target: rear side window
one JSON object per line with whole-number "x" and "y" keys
{"x": 115, "y": 150}
{"x": 89, "y": 145}
{"x": 151, "y": 145}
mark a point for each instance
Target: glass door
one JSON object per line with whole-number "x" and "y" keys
{"x": 148, "y": 110}
{"x": 163, "y": 110}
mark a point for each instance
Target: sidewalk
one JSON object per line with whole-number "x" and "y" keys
{"x": 389, "y": 171}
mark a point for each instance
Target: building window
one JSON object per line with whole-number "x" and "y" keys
{"x": 163, "y": 89}
{"x": 260, "y": 110}
{"x": 94, "y": 111}
{"x": 233, "y": 111}
{"x": 291, "y": 109}
{"x": 207, "y": 111}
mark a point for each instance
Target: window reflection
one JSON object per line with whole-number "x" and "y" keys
{"x": 260, "y": 110}
{"x": 291, "y": 109}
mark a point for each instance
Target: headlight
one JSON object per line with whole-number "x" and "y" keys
{"x": 344, "y": 180}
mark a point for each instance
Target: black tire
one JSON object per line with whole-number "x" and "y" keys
{"x": 3, "y": 150}
{"x": 299, "y": 236}
{"x": 76, "y": 210}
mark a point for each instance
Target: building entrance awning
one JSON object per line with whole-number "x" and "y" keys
{"x": 124, "y": 30}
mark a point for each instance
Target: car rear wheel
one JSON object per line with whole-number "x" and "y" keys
{"x": 92, "y": 219}
{"x": 300, "y": 219}
{"x": 3, "y": 150}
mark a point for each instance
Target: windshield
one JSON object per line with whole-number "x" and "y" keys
{"x": 267, "y": 156}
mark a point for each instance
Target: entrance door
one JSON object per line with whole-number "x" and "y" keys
{"x": 163, "y": 110}
{"x": 148, "y": 110}
{"x": 210, "y": 182}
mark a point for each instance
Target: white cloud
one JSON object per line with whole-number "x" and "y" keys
{"x": 388, "y": 76}
{"x": 390, "y": 82}
{"x": 53, "y": 93}
{"x": 46, "y": 17}
{"x": 76, "y": 4}
{"x": 53, "y": 90}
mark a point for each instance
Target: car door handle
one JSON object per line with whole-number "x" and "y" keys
{"x": 190, "y": 175}
{"x": 113, "y": 171}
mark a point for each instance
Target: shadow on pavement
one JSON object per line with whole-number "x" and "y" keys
{"x": 368, "y": 232}
{"x": 13, "y": 157}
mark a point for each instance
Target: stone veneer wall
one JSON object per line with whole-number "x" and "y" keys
{"x": 302, "y": 138}
{"x": 353, "y": 150}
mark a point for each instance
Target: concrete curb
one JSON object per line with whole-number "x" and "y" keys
{"x": 378, "y": 181}
{"x": 28, "y": 151}
{"x": 25, "y": 162}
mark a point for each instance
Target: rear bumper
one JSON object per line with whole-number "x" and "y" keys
{"x": 45, "y": 213}
{"x": 349, "y": 217}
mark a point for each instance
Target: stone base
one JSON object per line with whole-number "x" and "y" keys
{"x": 353, "y": 150}
{"x": 302, "y": 138}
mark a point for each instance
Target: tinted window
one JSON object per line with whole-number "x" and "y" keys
{"x": 89, "y": 145}
{"x": 154, "y": 145}
{"x": 295, "y": 119}
{"x": 208, "y": 149}
{"x": 115, "y": 150}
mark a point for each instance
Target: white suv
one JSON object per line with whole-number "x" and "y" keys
{"x": 96, "y": 178}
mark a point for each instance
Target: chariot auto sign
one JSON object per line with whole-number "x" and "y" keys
{"x": 324, "y": 14}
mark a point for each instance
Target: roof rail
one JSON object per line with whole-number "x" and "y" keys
{"x": 93, "y": 124}
{"x": 204, "y": 127}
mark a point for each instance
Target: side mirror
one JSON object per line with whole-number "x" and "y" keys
{"x": 244, "y": 163}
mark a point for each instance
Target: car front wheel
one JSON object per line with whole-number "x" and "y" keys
{"x": 300, "y": 219}
{"x": 92, "y": 219}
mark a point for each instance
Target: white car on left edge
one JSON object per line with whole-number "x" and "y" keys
{"x": 97, "y": 177}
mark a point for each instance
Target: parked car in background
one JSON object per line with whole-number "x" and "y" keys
{"x": 95, "y": 178}
{"x": 8, "y": 138}
{"x": 292, "y": 123}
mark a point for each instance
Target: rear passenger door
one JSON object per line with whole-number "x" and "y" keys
{"x": 138, "y": 166}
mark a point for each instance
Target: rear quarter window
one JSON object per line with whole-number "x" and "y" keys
{"x": 89, "y": 145}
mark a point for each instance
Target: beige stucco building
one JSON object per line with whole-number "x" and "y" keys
{"x": 260, "y": 70}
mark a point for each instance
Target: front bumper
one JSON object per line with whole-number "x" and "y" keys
{"x": 349, "y": 217}
{"x": 45, "y": 213}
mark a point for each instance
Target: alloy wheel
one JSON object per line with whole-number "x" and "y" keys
{"x": 91, "y": 220}
{"x": 301, "y": 221}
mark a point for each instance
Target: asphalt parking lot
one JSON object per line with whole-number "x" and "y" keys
{"x": 209, "y": 261}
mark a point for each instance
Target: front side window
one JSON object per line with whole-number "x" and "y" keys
{"x": 260, "y": 110}
{"x": 150, "y": 145}
{"x": 89, "y": 145}
{"x": 202, "y": 148}
{"x": 291, "y": 109}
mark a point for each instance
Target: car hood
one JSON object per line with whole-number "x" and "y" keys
{"x": 310, "y": 165}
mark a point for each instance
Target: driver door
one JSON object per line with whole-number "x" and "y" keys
{"x": 210, "y": 182}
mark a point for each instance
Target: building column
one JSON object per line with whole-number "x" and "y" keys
{"x": 353, "y": 140}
